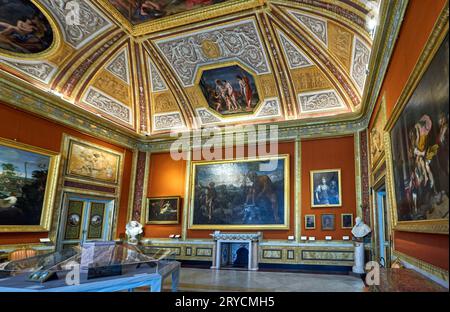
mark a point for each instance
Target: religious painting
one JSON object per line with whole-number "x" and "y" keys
{"x": 229, "y": 90}
{"x": 23, "y": 28}
{"x": 328, "y": 222}
{"x": 326, "y": 188}
{"x": 346, "y": 220}
{"x": 139, "y": 11}
{"x": 310, "y": 222}
{"x": 27, "y": 187}
{"x": 163, "y": 210}
{"x": 94, "y": 163}
{"x": 419, "y": 138}
{"x": 376, "y": 135}
{"x": 240, "y": 194}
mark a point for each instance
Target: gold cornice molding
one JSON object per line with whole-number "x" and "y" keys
{"x": 18, "y": 93}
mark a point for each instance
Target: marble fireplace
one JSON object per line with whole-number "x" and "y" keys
{"x": 236, "y": 250}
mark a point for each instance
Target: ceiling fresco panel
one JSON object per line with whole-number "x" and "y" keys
{"x": 140, "y": 11}
{"x": 24, "y": 29}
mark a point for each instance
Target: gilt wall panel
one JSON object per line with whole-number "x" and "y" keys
{"x": 340, "y": 42}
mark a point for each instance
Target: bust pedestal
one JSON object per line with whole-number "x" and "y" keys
{"x": 358, "y": 268}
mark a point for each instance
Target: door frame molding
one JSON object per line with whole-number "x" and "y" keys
{"x": 112, "y": 220}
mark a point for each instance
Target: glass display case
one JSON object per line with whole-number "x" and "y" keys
{"x": 91, "y": 261}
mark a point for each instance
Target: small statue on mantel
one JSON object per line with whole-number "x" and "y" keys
{"x": 133, "y": 230}
{"x": 359, "y": 231}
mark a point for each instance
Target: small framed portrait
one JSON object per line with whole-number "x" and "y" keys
{"x": 326, "y": 188}
{"x": 328, "y": 222}
{"x": 310, "y": 222}
{"x": 163, "y": 210}
{"x": 346, "y": 220}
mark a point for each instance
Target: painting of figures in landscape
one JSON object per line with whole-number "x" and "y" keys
{"x": 93, "y": 163}
{"x": 240, "y": 194}
{"x": 229, "y": 90}
{"x": 23, "y": 28}
{"x": 23, "y": 183}
{"x": 326, "y": 188}
{"x": 420, "y": 146}
{"x": 164, "y": 210}
{"x": 138, "y": 11}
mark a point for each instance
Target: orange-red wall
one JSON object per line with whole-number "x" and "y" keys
{"x": 333, "y": 153}
{"x": 167, "y": 177}
{"x": 35, "y": 131}
{"x": 420, "y": 18}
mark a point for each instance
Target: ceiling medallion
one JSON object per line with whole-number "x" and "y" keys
{"x": 211, "y": 49}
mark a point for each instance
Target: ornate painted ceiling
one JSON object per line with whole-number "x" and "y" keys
{"x": 156, "y": 66}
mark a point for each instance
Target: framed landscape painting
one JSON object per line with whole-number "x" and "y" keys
{"x": 240, "y": 194}
{"x": 326, "y": 188}
{"x": 28, "y": 178}
{"x": 163, "y": 210}
{"x": 419, "y": 148}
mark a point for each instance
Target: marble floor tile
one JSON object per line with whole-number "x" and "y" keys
{"x": 258, "y": 281}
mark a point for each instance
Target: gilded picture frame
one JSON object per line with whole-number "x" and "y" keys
{"x": 48, "y": 200}
{"x": 433, "y": 46}
{"x": 169, "y": 210}
{"x": 309, "y": 218}
{"x": 92, "y": 162}
{"x": 326, "y": 188}
{"x": 261, "y": 212}
{"x": 376, "y": 136}
{"x": 328, "y": 222}
{"x": 343, "y": 221}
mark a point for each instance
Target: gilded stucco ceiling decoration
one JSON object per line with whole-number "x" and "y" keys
{"x": 150, "y": 67}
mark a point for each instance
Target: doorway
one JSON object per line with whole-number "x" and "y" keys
{"x": 85, "y": 219}
{"x": 382, "y": 227}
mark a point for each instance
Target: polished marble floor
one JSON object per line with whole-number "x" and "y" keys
{"x": 194, "y": 280}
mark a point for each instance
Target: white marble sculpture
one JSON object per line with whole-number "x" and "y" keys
{"x": 133, "y": 229}
{"x": 359, "y": 231}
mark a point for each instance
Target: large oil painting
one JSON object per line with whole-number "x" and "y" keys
{"x": 229, "y": 90}
{"x": 90, "y": 162}
{"x": 240, "y": 194}
{"x": 139, "y": 11}
{"x": 23, "y": 28}
{"x": 420, "y": 147}
{"x": 27, "y": 184}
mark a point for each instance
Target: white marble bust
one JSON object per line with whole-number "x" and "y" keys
{"x": 360, "y": 229}
{"x": 133, "y": 229}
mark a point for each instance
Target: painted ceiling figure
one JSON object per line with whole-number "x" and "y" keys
{"x": 246, "y": 90}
